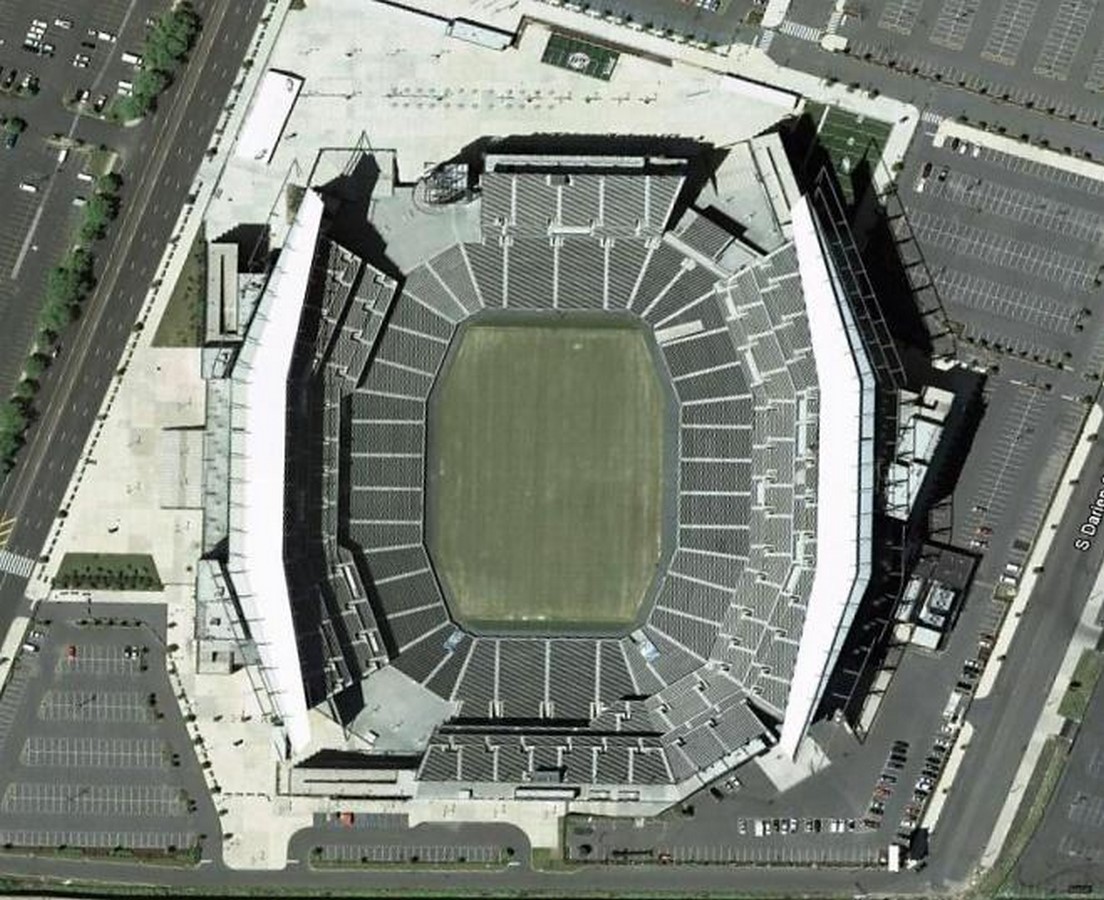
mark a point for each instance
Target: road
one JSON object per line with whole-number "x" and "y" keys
{"x": 158, "y": 174}
{"x": 1005, "y": 720}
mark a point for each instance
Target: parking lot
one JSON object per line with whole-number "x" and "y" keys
{"x": 1044, "y": 55}
{"x": 986, "y": 223}
{"x": 1015, "y": 250}
{"x": 345, "y": 840}
{"x": 718, "y": 20}
{"x": 95, "y": 753}
{"x": 39, "y": 220}
{"x": 424, "y": 854}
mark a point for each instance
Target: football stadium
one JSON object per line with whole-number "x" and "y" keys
{"x": 566, "y": 457}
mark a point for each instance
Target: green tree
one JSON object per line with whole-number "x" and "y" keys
{"x": 15, "y": 125}
{"x": 109, "y": 183}
{"x": 148, "y": 83}
{"x": 98, "y": 212}
{"x": 34, "y": 367}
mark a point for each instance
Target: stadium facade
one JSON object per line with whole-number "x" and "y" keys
{"x": 317, "y": 576}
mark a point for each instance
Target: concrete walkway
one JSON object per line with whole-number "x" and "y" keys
{"x": 948, "y": 128}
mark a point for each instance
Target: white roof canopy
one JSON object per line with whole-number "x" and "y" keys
{"x": 258, "y": 451}
{"x": 845, "y": 476}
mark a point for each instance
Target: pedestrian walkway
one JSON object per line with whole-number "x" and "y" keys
{"x": 14, "y": 564}
{"x": 801, "y": 32}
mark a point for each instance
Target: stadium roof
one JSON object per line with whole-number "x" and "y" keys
{"x": 256, "y": 551}
{"x": 845, "y": 475}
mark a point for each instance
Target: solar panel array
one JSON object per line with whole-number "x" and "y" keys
{"x": 690, "y": 687}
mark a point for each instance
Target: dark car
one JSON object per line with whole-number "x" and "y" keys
{"x": 11, "y": 139}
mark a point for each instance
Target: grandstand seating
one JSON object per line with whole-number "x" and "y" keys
{"x": 720, "y": 642}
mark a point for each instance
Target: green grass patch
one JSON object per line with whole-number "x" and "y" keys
{"x": 546, "y": 471}
{"x": 544, "y": 859}
{"x": 849, "y": 140}
{"x": 577, "y": 55}
{"x": 101, "y": 161}
{"x": 183, "y": 321}
{"x": 1040, "y": 789}
{"x": 185, "y": 857}
{"x": 108, "y": 571}
{"x": 1085, "y": 675}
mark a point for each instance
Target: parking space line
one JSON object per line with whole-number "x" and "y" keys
{"x": 900, "y": 16}
{"x": 974, "y": 292}
{"x": 953, "y": 23}
{"x": 1063, "y": 40}
{"x": 408, "y": 853}
{"x": 99, "y": 840}
{"x": 1010, "y": 29}
{"x": 1017, "y": 205}
{"x": 162, "y": 801}
{"x": 101, "y": 753}
{"x": 949, "y": 233}
{"x": 1095, "y": 80}
{"x": 94, "y": 706}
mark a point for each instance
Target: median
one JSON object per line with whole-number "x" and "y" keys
{"x": 68, "y": 285}
{"x": 163, "y": 53}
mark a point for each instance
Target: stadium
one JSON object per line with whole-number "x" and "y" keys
{"x": 568, "y": 457}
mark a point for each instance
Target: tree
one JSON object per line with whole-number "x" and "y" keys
{"x": 109, "y": 183}
{"x": 148, "y": 83}
{"x": 15, "y": 125}
{"x": 34, "y": 367}
{"x": 98, "y": 212}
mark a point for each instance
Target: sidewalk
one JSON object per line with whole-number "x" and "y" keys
{"x": 949, "y": 128}
{"x": 1086, "y": 636}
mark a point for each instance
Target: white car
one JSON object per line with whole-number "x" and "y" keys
{"x": 63, "y": 23}
{"x": 30, "y": 189}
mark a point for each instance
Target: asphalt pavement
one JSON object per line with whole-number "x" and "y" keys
{"x": 158, "y": 169}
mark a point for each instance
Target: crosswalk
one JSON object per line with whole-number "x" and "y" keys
{"x": 766, "y": 38}
{"x": 931, "y": 117}
{"x": 14, "y": 564}
{"x": 801, "y": 32}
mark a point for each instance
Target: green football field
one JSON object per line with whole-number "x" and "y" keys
{"x": 578, "y": 55}
{"x": 848, "y": 139}
{"x": 545, "y": 475}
